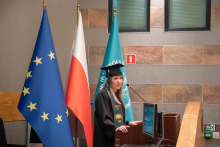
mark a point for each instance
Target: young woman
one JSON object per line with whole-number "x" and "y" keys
{"x": 110, "y": 109}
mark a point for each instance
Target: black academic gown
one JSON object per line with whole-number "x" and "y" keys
{"x": 3, "y": 142}
{"x": 104, "y": 133}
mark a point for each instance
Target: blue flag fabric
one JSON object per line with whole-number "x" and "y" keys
{"x": 42, "y": 101}
{"x": 113, "y": 55}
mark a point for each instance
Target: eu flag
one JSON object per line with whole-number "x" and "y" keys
{"x": 113, "y": 55}
{"x": 42, "y": 101}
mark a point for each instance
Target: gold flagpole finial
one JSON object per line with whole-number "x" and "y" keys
{"x": 115, "y": 12}
{"x": 44, "y": 4}
{"x": 78, "y": 13}
{"x": 78, "y": 8}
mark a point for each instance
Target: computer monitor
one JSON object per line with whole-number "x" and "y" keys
{"x": 160, "y": 124}
{"x": 150, "y": 119}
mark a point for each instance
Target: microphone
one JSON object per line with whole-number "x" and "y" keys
{"x": 135, "y": 92}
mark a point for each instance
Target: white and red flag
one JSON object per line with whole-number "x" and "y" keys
{"x": 78, "y": 95}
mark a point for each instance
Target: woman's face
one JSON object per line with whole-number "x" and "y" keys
{"x": 116, "y": 82}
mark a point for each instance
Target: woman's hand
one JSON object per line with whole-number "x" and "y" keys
{"x": 123, "y": 129}
{"x": 134, "y": 123}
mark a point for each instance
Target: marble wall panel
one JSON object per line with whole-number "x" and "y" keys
{"x": 169, "y": 55}
{"x": 211, "y": 94}
{"x": 150, "y": 93}
{"x": 96, "y": 55}
{"x": 93, "y": 4}
{"x": 215, "y": 15}
{"x": 183, "y": 54}
{"x": 156, "y": 17}
{"x": 146, "y": 54}
{"x": 124, "y": 53}
{"x": 182, "y": 93}
{"x": 85, "y": 17}
{"x": 98, "y": 18}
{"x": 211, "y": 54}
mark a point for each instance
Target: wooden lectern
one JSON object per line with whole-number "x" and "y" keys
{"x": 191, "y": 132}
{"x": 135, "y": 135}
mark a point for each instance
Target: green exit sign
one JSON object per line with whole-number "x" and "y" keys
{"x": 212, "y": 127}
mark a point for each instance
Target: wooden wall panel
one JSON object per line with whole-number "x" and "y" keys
{"x": 8, "y": 106}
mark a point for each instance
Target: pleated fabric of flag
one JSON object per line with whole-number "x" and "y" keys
{"x": 42, "y": 101}
{"x": 77, "y": 95}
{"x": 113, "y": 55}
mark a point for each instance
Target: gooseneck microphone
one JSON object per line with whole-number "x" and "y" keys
{"x": 136, "y": 92}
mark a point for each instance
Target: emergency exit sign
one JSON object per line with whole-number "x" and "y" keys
{"x": 212, "y": 127}
{"x": 131, "y": 58}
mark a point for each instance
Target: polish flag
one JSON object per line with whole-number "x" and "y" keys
{"x": 77, "y": 95}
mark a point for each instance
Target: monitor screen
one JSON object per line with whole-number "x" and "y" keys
{"x": 150, "y": 119}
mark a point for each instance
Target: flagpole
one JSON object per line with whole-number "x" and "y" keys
{"x": 115, "y": 12}
{"x": 75, "y": 116}
{"x": 44, "y": 4}
{"x": 78, "y": 13}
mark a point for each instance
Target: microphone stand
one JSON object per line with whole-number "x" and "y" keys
{"x": 135, "y": 92}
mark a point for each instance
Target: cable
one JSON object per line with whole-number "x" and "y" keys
{"x": 169, "y": 140}
{"x": 167, "y": 145}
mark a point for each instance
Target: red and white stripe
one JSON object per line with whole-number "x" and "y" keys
{"x": 78, "y": 95}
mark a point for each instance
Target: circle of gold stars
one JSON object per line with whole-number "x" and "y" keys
{"x": 32, "y": 106}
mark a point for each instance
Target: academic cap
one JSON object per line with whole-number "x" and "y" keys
{"x": 114, "y": 70}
